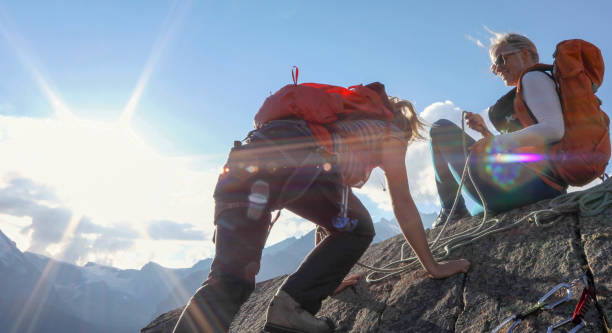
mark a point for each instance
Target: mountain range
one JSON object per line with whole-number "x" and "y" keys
{"x": 40, "y": 294}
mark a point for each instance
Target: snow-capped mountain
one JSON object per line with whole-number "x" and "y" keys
{"x": 10, "y": 256}
{"x": 97, "y": 298}
{"x": 29, "y": 302}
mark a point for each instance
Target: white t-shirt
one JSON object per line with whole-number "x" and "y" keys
{"x": 540, "y": 95}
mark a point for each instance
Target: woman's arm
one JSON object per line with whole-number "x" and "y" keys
{"x": 477, "y": 123}
{"x": 408, "y": 217}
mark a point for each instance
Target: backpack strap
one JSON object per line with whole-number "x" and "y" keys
{"x": 523, "y": 113}
{"x": 527, "y": 118}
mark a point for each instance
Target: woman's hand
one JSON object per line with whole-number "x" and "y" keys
{"x": 445, "y": 269}
{"x": 477, "y": 123}
{"x": 348, "y": 281}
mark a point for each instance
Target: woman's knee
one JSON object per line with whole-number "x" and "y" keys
{"x": 442, "y": 126}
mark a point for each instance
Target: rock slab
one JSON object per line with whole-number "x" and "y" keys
{"x": 510, "y": 271}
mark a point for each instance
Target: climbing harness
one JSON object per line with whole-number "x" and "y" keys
{"x": 586, "y": 203}
{"x": 543, "y": 304}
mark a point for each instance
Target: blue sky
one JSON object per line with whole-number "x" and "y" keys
{"x": 188, "y": 76}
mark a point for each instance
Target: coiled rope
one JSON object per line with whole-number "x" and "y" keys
{"x": 589, "y": 202}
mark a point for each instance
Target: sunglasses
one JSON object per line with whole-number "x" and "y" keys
{"x": 501, "y": 59}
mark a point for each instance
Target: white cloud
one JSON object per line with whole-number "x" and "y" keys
{"x": 376, "y": 190}
{"x": 103, "y": 171}
{"x": 476, "y": 41}
{"x": 12, "y": 227}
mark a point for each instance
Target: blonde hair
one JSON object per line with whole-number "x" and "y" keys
{"x": 407, "y": 119}
{"x": 513, "y": 42}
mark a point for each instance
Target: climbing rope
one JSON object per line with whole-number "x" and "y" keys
{"x": 589, "y": 202}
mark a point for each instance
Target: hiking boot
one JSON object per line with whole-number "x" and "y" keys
{"x": 460, "y": 212}
{"x": 285, "y": 315}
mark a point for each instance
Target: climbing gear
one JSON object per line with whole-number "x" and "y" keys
{"x": 587, "y": 297}
{"x": 584, "y": 151}
{"x": 588, "y": 293}
{"x": 563, "y": 322}
{"x": 322, "y": 104}
{"x": 285, "y": 315}
{"x": 342, "y": 222}
{"x": 542, "y": 304}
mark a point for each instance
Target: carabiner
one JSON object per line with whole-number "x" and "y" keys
{"x": 342, "y": 222}
{"x": 505, "y": 322}
{"x": 539, "y": 305}
{"x": 565, "y": 321}
{"x": 554, "y": 290}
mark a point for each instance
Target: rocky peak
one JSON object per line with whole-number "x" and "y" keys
{"x": 152, "y": 267}
{"x": 510, "y": 271}
{"x": 10, "y": 256}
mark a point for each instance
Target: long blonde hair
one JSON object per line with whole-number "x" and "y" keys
{"x": 407, "y": 119}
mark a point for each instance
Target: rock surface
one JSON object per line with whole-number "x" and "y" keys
{"x": 510, "y": 271}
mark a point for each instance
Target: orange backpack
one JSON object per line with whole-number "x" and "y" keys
{"x": 583, "y": 153}
{"x": 322, "y": 104}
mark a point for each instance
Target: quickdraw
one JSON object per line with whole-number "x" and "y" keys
{"x": 543, "y": 303}
{"x": 587, "y": 296}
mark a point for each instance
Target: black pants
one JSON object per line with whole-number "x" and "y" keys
{"x": 504, "y": 185}
{"x": 283, "y": 157}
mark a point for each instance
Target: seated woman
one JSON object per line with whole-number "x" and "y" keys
{"x": 283, "y": 166}
{"x": 505, "y": 167}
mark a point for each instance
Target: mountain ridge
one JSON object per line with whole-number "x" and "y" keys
{"x": 95, "y": 295}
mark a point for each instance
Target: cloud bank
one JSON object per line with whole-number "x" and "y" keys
{"x": 90, "y": 191}
{"x": 165, "y": 229}
{"x": 69, "y": 175}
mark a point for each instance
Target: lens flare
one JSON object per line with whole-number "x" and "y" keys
{"x": 505, "y": 168}
{"x": 514, "y": 158}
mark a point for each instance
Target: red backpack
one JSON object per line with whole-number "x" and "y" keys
{"x": 322, "y": 104}
{"x": 584, "y": 151}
